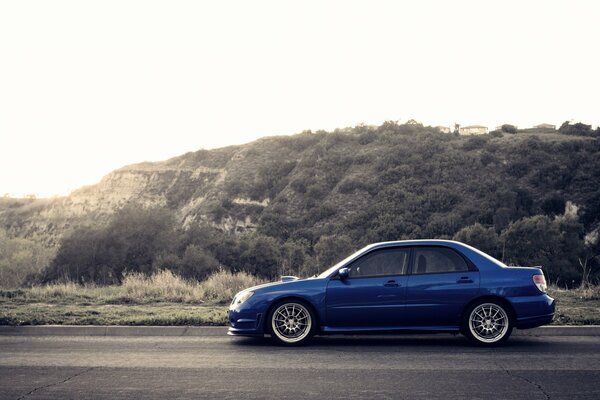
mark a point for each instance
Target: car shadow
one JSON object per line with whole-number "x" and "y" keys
{"x": 405, "y": 341}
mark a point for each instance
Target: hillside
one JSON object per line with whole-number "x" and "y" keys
{"x": 365, "y": 183}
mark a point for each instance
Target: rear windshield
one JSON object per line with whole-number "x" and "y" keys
{"x": 485, "y": 255}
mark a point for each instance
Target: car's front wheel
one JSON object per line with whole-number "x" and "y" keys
{"x": 487, "y": 323}
{"x": 291, "y": 323}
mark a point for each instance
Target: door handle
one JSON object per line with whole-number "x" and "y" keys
{"x": 464, "y": 279}
{"x": 391, "y": 284}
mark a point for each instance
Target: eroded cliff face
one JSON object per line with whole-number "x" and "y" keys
{"x": 228, "y": 188}
{"x": 189, "y": 184}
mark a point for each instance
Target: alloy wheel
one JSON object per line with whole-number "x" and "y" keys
{"x": 488, "y": 323}
{"x": 291, "y": 323}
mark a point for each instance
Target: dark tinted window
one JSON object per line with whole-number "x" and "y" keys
{"x": 380, "y": 263}
{"x": 433, "y": 260}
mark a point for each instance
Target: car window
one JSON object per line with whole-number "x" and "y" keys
{"x": 380, "y": 263}
{"x": 433, "y": 260}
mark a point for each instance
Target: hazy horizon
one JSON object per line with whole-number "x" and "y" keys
{"x": 86, "y": 88}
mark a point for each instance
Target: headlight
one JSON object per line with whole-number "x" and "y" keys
{"x": 242, "y": 297}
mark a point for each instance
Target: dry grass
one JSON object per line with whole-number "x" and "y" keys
{"x": 54, "y": 291}
{"x": 588, "y": 293}
{"x": 166, "y": 286}
{"x": 66, "y": 292}
{"x": 163, "y": 286}
{"x": 222, "y": 286}
{"x": 160, "y": 299}
{"x": 580, "y": 306}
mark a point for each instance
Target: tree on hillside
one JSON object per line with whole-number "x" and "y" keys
{"x": 131, "y": 241}
{"x": 332, "y": 248}
{"x": 262, "y": 257}
{"x": 507, "y": 128}
{"x": 197, "y": 263}
{"x": 577, "y": 129}
{"x": 136, "y": 234}
{"x": 480, "y": 237}
{"x": 20, "y": 259}
{"x": 590, "y": 260}
{"x": 556, "y": 244}
{"x": 531, "y": 241}
{"x": 294, "y": 256}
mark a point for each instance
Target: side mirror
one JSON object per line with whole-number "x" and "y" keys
{"x": 343, "y": 273}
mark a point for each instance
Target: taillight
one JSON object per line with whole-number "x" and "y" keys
{"x": 540, "y": 282}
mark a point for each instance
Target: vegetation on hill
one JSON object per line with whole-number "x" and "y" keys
{"x": 296, "y": 204}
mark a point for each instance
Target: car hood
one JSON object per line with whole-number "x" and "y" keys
{"x": 278, "y": 283}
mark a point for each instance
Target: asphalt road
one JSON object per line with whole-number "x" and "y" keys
{"x": 439, "y": 367}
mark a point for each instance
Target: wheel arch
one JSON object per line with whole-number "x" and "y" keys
{"x": 283, "y": 299}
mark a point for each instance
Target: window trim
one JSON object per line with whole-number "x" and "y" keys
{"x": 470, "y": 266}
{"x": 379, "y": 249}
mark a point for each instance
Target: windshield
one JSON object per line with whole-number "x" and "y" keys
{"x": 337, "y": 266}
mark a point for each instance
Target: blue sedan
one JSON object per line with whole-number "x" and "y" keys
{"x": 394, "y": 287}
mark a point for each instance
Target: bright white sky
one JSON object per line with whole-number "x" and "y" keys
{"x": 87, "y": 87}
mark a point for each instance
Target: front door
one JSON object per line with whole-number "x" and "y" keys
{"x": 373, "y": 293}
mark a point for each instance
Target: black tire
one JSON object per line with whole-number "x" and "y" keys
{"x": 487, "y": 323}
{"x": 291, "y": 322}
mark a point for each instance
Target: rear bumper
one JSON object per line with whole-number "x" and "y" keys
{"x": 535, "y": 311}
{"x": 534, "y": 322}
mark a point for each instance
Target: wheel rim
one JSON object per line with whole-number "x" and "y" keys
{"x": 488, "y": 322}
{"x": 291, "y": 322}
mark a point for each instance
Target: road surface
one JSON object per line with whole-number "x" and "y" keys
{"x": 427, "y": 367}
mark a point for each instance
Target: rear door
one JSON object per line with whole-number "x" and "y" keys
{"x": 441, "y": 283}
{"x": 373, "y": 294}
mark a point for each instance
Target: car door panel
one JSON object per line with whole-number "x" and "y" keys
{"x": 362, "y": 302}
{"x": 373, "y": 293}
{"x": 438, "y": 299}
{"x": 441, "y": 283}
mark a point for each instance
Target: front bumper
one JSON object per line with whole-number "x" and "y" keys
{"x": 245, "y": 322}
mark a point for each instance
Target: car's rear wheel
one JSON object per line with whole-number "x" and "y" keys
{"x": 487, "y": 323}
{"x": 291, "y": 323}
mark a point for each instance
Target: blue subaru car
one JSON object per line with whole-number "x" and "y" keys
{"x": 394, "y": 287}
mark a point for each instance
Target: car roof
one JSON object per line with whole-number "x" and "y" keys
{"x": 417, "y": 242}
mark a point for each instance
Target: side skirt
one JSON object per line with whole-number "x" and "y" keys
{"x": 387, "y": 329}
